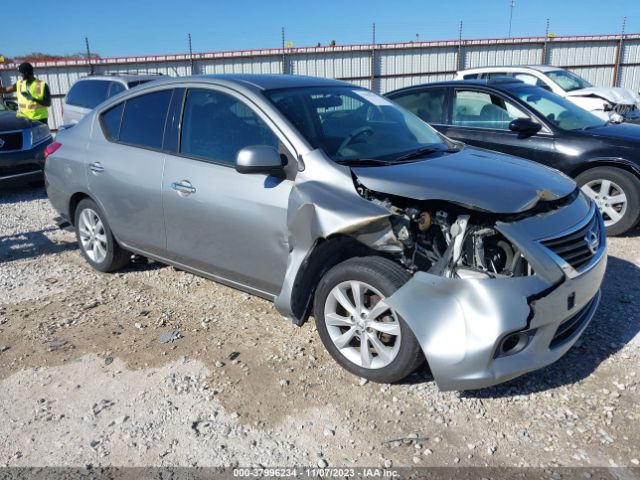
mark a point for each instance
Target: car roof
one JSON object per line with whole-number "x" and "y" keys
{"x": 501, "y": 83}
{"x": 250, "y": 81}
{"x": 125, "y": 77}
{"x": 271, "y": 82}
{"x": 539, "y": 68}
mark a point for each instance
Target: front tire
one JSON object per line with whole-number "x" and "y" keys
{"x": 95, "y": 239}
{"x": 616, "y": 192}
{"x": 356, "y": 327}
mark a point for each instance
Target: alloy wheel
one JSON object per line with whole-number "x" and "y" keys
{"x": 93, "y": 237}
{"x": 361, "y": 325}
{"x": 609, "y": 197}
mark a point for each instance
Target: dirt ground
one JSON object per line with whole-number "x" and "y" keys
{"x": 86, "y": 379}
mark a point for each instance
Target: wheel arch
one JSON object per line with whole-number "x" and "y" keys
{"x": 326, "y": 253}
{"x": 615, "y": 162}
{"x": 75, "y": 199}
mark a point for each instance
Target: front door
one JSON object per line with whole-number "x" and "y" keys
{"x": 221, "y": 222}
{"x": 482, "y": 118}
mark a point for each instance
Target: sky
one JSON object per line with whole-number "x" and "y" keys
{"x": 129, "y": 28}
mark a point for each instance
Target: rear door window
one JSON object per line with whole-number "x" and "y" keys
{"x": 215, "y": 126}
{"x": 428, "y": 104}
{"x": 478, "y": 109}
{"x": 111, "y": 120}
{"x": 144, "y": 119}
{"x": 88, "y": 93}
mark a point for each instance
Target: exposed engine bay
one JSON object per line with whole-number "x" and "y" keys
{"x": 450, "y": 241}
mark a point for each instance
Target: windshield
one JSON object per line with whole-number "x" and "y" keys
{"x": 352, "y": 124}
{"x": 559, "y": 111}
{"x": 568, "y": 81}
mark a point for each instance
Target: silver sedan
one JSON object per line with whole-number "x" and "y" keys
{"x": 410, "y": 250}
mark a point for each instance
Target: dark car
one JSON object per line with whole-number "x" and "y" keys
{"x": 22, "y": 145}
{"x": 513, "y": 117}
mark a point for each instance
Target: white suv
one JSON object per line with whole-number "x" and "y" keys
{"x": 609, "y": 103}
{"x": 89, "y": 92}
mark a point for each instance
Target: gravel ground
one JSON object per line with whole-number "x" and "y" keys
{"x": 154, "y": 366}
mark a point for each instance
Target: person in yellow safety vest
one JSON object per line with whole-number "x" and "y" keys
{"x": 34, "y": 98}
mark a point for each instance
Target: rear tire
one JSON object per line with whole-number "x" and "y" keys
{"x": 96, "y": 242}
{"x": 391, "y": 351}
{"x": 617, "y": 195}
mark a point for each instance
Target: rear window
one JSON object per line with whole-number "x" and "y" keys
{"x": 116, "y": 88}
{"x": 135, "y": 83}
{"x": 144, "y": 119}
{"x": 88, "y": 93}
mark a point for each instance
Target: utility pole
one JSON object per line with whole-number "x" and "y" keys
{"x": 372, "y": 80}
{"x": 616, "y": 68}
{"x": 460, "y": 61}
{"x": 544, "y": 44}
{"x": 284, "y": 60}
{"x": 190, "y": 54}
{"x": 513, "y": 4}
{"x": 86, "y": 43}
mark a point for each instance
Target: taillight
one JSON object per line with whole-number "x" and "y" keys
{"x": 62, "y": 110}
{"x": 52, "y": 147}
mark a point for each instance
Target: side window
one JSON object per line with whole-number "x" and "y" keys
{"x": 88, "y": 93}
{"x": 144, "y": 119}
{"x": 427, "y": 104}
{"x": 111, "y": 121}
{"x": 215, "y": 126}
{"x": 471, "y": 76}
{"x": 116, "y": 88}
{"x": 490, "y": 75}
{"x": 483, "y": 110}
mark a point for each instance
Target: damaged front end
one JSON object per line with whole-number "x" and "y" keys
{"x": 491, "y": 295}
{"x": 495, "y": 296}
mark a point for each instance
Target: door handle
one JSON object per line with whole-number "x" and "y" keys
{"x": 96, "y": 168}
{"x": 183, "y": 187}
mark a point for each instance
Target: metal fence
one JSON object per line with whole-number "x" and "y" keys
{"x": 602, "y": 60}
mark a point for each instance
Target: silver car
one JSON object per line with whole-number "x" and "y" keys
{"x": 333, "y": 201}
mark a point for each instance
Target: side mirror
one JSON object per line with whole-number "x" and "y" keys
{"x": 259, "y": 159}
{"x": 525, "y": 126}
{"x": 11, "y": 105}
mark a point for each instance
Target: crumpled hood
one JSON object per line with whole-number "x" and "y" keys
{"x": 622, "y": 96}
{"x": 9, "y": 121}
{"x": 473, "y": 177}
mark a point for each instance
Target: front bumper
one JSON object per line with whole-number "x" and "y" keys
{"x": 461, "y": 324}
{"x": 23, "y": 166}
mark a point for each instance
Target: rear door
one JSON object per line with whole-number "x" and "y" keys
{"x": 221, "y": 222}
{"x": 482, "y": 117}
{"x": 125, "y": 169}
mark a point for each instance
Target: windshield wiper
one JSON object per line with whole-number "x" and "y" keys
{"x": 420, "y": 152}
{"x": 363, "y": 162}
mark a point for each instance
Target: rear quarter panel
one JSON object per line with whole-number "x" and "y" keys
{"x": 65, "y": 170}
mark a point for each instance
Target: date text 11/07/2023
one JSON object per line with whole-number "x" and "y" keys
{"x": 315, "y": 472}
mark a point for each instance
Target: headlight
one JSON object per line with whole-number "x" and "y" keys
{"x": 39, "y": 133}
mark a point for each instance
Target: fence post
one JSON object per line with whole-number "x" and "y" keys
{"x": 372, "y": 80}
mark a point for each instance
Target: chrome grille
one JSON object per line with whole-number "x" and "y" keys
{"x": 577, "y": 248}
{"x": 10, "y": 141}
{"x": 623, "y": 109}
